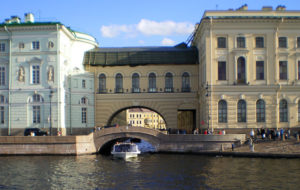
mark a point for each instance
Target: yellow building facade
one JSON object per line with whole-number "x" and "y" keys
{"x": 249, "y": 68}
{"x": 141, "y": 117}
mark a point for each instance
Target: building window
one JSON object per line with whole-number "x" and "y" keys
{"x": 283, "y": 111}
{"x": 50, "y": 44}
{"x": 169, "y": 82}
{"x": 298, "y": 70}
{"x": 260, "y": 70}
{"x": 241, "y": 74}
{"x": 221, "y": 70}
{"x": 83, "y": 84}
{"x": 135, "y": 83}
{"x": 36, "y": 98}
{"x": 283, "y": 70}
{"x": 260, "y": 111}
{"x": 222, "y": 111}
{"x": 221, "y": 42}
{"x": 152, "y": 82}
{"x": 2, "y": 47}
{"x": 102, "y": 83}
{"x": 83, "y": 115}
{"x": 83, "y": 100}
{"x": 36, "y": 112}
{"x": 2, "y": 101}
{"x": 282, "y": 42}
{"x": 119, "y": 83}
{"x": 259, "y": 42}
{"x": 2, "y": 114}
{"x": 36, "y": 45}
{"x": 35, "y": 74}
{"x": 2, "y": 76}
{"x": 21, "y": 45}
{"x": 298, "y": 42}
{"x": 241, "y": 42}
{"x": 299, "y": 111}
{"x": 242, "y": 111}
{"x": 186, "y": 82}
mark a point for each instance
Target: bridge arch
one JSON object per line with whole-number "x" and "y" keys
{"x": 105, "y": 138}
{"x": 109, "y": 122}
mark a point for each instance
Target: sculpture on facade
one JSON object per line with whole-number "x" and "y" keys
{"x": 21, "y": 76}
{"x": 50, "y": 74}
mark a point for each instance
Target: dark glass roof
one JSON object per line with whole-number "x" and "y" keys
{"x": 135, "y": 56}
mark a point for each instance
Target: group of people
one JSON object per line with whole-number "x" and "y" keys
{"x": 271, "y": 133}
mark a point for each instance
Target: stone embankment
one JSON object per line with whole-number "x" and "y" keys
{"x": 267, "y": 148}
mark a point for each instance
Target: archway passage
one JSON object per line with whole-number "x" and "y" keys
{"x": 104, "y": 139}
{"x": 138, "y": 117}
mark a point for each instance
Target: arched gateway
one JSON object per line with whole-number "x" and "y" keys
{"x": 104, "y": 139}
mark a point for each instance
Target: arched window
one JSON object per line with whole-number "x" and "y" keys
{"x": 102, "y": 83}
{"x": 260, "y": 111}
{"x": 152, "y": 82}
{"x": 135, "y": 83}
{"x": 222, "y": 111}
{"x": 83, "y": 100}
{"x": 241, "y": 70}
{"x": 169, "y": 82}
{"x": 119, "y": 83}
{"x": 242, "y": 111}
{"x": 299, "y": 111}
{"x": 186, "y": 82}
{"x": 2, "y": 112}
{"x": 283, "y": 111}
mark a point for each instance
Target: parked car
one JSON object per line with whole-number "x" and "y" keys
{"x": 36, "y": 131}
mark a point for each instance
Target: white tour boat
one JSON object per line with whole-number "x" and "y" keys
{"x": 125, "y": 150}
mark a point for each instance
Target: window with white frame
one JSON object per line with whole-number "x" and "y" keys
{"x": 35, "y": 45}
{"x": 83, "y": 84}
{"x": 221, "y": 42}
{"x": 283, "y": 70}
{"x": 2, "y": 47}
{"x": 36, "y": 114}
{"x": 259, "y": 42}
{"x": 260, "y": 70}
{"x": 2, "y": 75}
{"x": 35, "y": 74}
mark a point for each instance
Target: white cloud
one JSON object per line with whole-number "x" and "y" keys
{"x": 149, "y": 28}
{"x": 112, "y": 31}
{"x": 167, "y": 42}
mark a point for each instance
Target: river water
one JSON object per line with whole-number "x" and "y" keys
{"x": 148, "y": 171}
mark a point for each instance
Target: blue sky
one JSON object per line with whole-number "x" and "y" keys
{"x": 126, "y": 23}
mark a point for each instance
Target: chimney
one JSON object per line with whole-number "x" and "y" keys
{"x": 280, "y": 8}
{"x": 15, "y": 19}
{"x": 267, "y": 8}
{"x": 29, "y": 17}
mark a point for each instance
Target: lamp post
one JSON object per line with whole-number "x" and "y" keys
{"x": 50, "y": 116}
{"x": 207, "y": 96}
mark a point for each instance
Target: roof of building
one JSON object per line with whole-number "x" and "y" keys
{"x": 139, "y": 110}
{"x": 180, "y": 54}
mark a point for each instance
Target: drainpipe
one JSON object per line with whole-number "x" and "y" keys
{"x": 10, "y": 79}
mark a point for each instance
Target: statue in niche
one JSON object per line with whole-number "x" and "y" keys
{"x": 50, "y": 74}
{"x": 21, "y": 76}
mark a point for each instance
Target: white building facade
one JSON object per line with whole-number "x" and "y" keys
{"x": 36, "y": 61}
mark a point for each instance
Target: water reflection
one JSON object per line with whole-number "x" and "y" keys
{"x": 148, "y": 171}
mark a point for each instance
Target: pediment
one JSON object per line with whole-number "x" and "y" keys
{"x": 35, "y": 60}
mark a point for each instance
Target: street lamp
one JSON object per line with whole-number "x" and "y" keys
{"x": 50, "y": 117}
{"x": 207, "y": 96}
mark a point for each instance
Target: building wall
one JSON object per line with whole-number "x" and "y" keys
{"x": 271, "y": 89}
{"x": 164, "y": 103}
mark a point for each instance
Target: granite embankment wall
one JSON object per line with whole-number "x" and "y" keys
{"x": 199, "y": 143}
{"x": 47, "y": 145}
{"x": 89, "y": 144}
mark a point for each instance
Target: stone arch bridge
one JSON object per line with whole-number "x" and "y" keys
{"x": 162, "y": 142}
